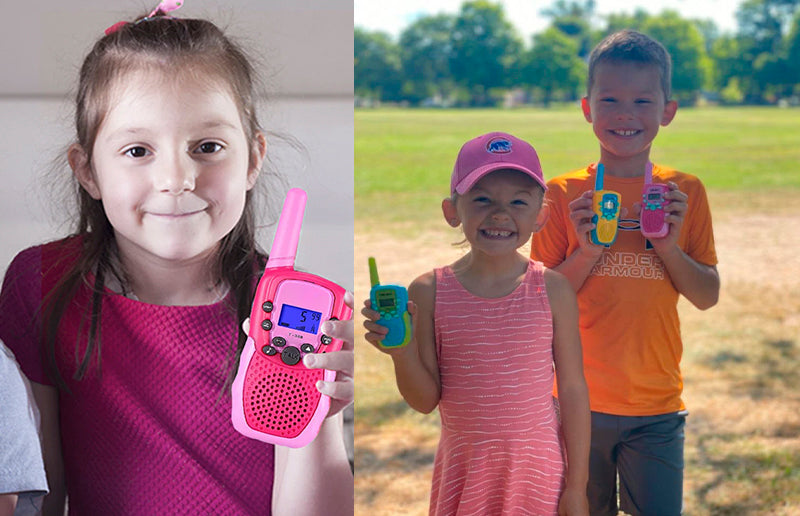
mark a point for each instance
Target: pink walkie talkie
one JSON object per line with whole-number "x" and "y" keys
{"x": 651, "y": 219}
{"x": 275, "y": 398}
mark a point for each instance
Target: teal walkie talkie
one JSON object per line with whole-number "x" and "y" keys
{"x": 391, "y": 301}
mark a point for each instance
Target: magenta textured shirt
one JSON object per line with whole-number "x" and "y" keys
{"x": 148, "y": 431}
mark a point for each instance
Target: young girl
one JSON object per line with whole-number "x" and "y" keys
{"x": 487, "y": 329}
{"x": 130, "y": 328}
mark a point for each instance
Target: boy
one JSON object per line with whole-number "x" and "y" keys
{"x": 628, "y": 292}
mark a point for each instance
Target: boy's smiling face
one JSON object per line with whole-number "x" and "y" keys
{"x": 626, "y": 107}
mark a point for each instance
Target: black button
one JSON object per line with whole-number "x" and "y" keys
{"x": 267, "y": 306}
{"x": 269, "y": 350}
{"x": 333, "y": 319}
{"x": 266, "y": 324}
{"x": 290, "y": 355}
{"x": 326, "y": 340}
{"x": 279, "y": 341}
{"x": 307, "y": 348}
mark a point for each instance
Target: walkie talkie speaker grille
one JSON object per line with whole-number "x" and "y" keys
{"x": 279, "y": 402}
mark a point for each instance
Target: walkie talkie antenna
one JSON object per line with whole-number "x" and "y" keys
{"x": 599, "y": 179}
{"x": 287, "y": 236}
{"x": 373, "y": 272}
{"x": 648, "y": 173}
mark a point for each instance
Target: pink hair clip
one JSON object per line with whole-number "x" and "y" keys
{"x": 166, "y": 6}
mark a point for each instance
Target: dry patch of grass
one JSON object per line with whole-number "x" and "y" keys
{"x": 741, "y": 368}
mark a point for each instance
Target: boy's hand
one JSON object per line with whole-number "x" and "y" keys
{"x": 676, "y": 211}
{"x": 377, "y": 332}
{"x": 573, "y": 503}
{"x": 581, "y": 213}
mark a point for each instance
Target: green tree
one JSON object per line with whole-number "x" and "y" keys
{"x": 485, "y": 47}
{"x": 763, "y": 44}
{"x": 553, "y": 67}
{"x": 574, "y": 18}
{"x": 376, "y": 70}
{"x": 691, "y": 66}
{"x": 425, "y": 52}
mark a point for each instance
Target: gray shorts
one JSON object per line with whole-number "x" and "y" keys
{"x": 647, "y": 452}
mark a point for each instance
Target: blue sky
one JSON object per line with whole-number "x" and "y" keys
{"x": 393, "y": 16}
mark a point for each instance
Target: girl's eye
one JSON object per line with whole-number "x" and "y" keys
{"x": 481, "y": 199}
{"x": 519, "y": 202}
{"x": 209, "y": 148}
{"x": 136, "y": 152}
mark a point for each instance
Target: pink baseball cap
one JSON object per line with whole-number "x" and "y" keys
{"x": 490, "y": 152}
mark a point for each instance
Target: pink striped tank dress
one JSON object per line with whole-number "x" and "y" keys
{"x": 500, "y": 450}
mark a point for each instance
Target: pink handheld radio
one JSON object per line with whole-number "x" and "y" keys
{"x": 652, "y": 216}
{"x": 275, "y": 398}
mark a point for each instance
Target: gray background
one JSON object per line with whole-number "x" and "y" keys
{"x": 305, "y": 54}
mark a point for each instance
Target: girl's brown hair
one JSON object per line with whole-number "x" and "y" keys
{"x": 178, "y": 46}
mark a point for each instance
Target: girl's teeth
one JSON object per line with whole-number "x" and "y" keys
{"x": 491, "y": 232}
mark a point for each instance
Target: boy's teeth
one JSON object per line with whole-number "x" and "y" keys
{"x": 628, "y": 132}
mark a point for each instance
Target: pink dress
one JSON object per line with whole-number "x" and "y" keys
{"x": 500, "y": 451}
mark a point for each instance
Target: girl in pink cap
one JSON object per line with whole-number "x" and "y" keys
{"x": 488, "y": 330}
{"x": 130, "y": 328}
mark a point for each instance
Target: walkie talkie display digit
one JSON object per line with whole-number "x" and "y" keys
{"x": 391, "y": 301}
{"x": 275, "y": 398}
{"x": 652, "y": 218}
{"x": 606, "y": 206}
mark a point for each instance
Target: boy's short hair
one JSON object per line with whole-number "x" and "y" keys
{"x": 630, "y": 46}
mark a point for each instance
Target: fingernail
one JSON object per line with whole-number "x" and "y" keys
{"x": 309, "y": 360}
{"x": 327, "y": 327}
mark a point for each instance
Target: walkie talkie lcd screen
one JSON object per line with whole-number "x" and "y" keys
{"x": 300, "y": 319}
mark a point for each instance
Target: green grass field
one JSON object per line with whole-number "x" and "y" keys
{"x": 404, "y": 157}
{"x": 741, "y": 358}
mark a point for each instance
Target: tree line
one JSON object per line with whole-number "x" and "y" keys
{"x": 477, "y": 58}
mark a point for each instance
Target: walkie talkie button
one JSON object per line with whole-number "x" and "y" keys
{"x": 333, "y": 319}
{"x": 266, "y": 324}
{"x": 269, "y": 350}
{"x": 267, "y": 306}
{"x": 279, "y": 341}
{"x": 326, "y": 340}
{"x": 306, "y": 348}
{"x": 290, "y": 355}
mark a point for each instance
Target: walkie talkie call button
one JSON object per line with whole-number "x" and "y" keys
{"x": 267, "y": 306}
{"x": 269, "y": 350}
{"x": 279, "y": 341}
{"x": 326, "y": 340}
{"x": 266, "y": 324}
{"x": 306, "y": 348}
{"x": 290, "y": 355}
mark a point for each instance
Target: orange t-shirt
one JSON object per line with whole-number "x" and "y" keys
{"x": 629, "y": 324}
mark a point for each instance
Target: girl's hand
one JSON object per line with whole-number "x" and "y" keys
{"x": 341, "y": 390}
{"x": 573, "y": 502}
{"x": 377, "y": 332}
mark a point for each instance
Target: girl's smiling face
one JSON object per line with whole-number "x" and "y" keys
{"x": 499, "y": 213}
{"x": 171, "y": 164}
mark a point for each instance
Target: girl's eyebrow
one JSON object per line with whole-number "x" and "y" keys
{"x": 136, "y": 131}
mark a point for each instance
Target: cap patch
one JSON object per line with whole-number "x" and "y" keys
{"x": 498, "y": 145}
